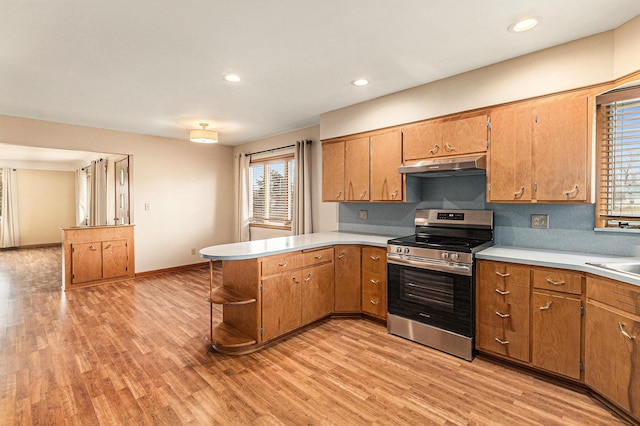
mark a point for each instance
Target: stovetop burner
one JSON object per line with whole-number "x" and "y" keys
{"x": 442, "y": 243}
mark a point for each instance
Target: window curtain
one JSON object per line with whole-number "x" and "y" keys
{"x": 242, "y": 185}
{"x": 98, "y": 199}
{"x": 302, "y": 186}
{"x": 81, "y": 197}
{"x": 9, "y": 231}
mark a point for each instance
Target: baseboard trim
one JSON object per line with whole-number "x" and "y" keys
{"x": 173, "y": 269}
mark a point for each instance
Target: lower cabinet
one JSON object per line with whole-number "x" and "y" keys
{"x": 348, "y": 289}
{"x": 612, "y": 342}
{"x": 374, "y": 281}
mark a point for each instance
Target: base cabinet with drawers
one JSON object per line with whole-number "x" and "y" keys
{"x": 374, "y": 282}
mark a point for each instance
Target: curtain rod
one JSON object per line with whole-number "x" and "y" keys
{"x": 308, "y": 142}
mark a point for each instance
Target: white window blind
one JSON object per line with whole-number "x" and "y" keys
{"x": 271, "y": 198}
{"x": 619, "y": 168}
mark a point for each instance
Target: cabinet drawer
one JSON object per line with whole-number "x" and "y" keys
{"x": 277, "y": 264}
{"x": 374, "y": 260}
{"x": 374, "y": 302}
{"x": 503, "y": 342}
{"x": 514, "y": 318}
{"x": 500, "y": 274}
{"x": 373, "y": 283}
{"x": 625, "y": 297}
{"x": 315, "y": 257}
{"x": 557, "y": 280}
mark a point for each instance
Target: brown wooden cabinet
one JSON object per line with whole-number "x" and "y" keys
{"x": 281, "y": 310}
{"x": 540, "y": 151}
{"x": 97, "y": 255}
{"x": 333, "y": 171}
{"x": 348, "y": 289}
{"x": 385, "y": 158}
{"x": 356, "y": 169}
{"x": 503, "y": 309}
{"x": 445, "y": 137}
{"x": 612, "y": 342}
{"x": 374, "y": 281}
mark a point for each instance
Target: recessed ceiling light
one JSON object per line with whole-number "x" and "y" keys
{"x": 523, "y": 25}
{"x": 234, "y": 78}
{"x": 360, "y": 82}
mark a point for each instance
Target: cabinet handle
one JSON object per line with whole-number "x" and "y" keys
{"x": 572, "y": 190}
{"x": 318, "y": 257}
{"x": 500, "y": 274}
{"x": 108, "y": 246}
{"x": 341, "y": 256}
{"x": 306, "y": 280}
{"x": 502, "y": 342}
{"x": 364, "y": 194}
{"x": 92, "y": 248}
{"x": 519, "y": 193}
{"x": 547, "y": 306}
{"x": 448, "y": 147}
{"x": 376, "y": 282}
{"x": 502, "y": 315}
{"x": 339, "y": 194}
{"x": 283, "y": 264}
{"x": 295, "y": 280}
{"x": 434, "y": 149}
{"x": 624, "y": 333}
{"x": 373, "y": 302}
{"x": 394, "y": 194}
{"x": 504, "y": 293}
{"x": 550, "y": 281}
{"x": 375, "y": 258}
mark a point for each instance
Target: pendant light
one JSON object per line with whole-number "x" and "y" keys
{"x": 203, "y": 135}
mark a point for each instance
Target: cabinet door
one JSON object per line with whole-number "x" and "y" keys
{"x": 509, "y": 174}
{"x": 356, "y": 171}
{"x": 347, "y": 279}
{"x": 611, "y": 358}
{"x": 317, "y": 292}
{"x": 556, "y": 333}
{"x": 386, "y": 157}
{"x": 374, "y": 294}
{"x": 86, "y": 262}
{"x": 422, "y": 140}
{"x": 561, "y": 149}
{"x": 333, "y": 171}
{"x": 115, "y": 259}
{"x": 464, "y": 135}
{"x": 280, "y": 304}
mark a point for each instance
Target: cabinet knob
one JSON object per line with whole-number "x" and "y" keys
{"x": 341, "y": 256}
{"x": 504, "y": 293}
{"x": 394, "y": 194}
{"x": 573, "y": 190}
{"x": 318, "y": 257}
{"x": 376, "y": 282}
{"x": 363, "y": 194}
{"x": 375, "y": 258}
{"x": 339, "y": 194}
{"x": 519, "y": 193}
{"x": 624, "y": 333}
{"x": 502, "y": 342}
{"x": 434, "y": 149}
{"x": 448, "y": 147}
{"x": 306, "y": 280}
{"x": 92, "y": 248}
{"x": 283, "y": 264}
{"x": 373, "y": 302}
{"x": 500, "y": 274}
{"x": 550, "y": 281}
{"x": 501, "y": 315}
{"x": 547, "y": 306}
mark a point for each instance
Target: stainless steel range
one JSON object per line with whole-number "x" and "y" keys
{"x": 431, "y": 282}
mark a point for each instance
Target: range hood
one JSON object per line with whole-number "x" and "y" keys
{"x": 448, "y": 166}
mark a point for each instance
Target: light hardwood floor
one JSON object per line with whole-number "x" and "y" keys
{"x": 135, "y": 353}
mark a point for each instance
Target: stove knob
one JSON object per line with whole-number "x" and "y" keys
{"x": 398, "y": 249}
{"x": 454, "y": 256}
{"x": 444, "y": 255}
{"x": 406, "y": 250}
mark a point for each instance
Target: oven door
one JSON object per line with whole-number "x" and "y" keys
{"x": 440, "y": 299}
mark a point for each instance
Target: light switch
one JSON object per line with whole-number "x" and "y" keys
{"x": 147, "y": 207}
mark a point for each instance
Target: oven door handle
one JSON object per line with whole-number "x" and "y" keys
{"x": 433, "y": 265}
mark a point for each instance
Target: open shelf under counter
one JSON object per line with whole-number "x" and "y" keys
{"x": 224, "y": 336}
{"x": 224, "y": 296}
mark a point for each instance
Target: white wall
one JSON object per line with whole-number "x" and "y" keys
{"x": 187, "y": 186}
{"x": 324, "y": 215}
{"x": 46, "y": 202}
{"x": 592, "y": 60}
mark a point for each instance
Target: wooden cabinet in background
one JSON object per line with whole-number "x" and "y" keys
{"x": 356, "y": 169}
{"x": 445, "y": 137}
{"x": 503, "y": 309}
{"x": 348, "y": 291}
{"x": 97, "y": 255}
{"x": 539, "y": 151}
{"x": 612, "y": 342}
{"x": 385, "y": 158}
{"x": 374, "y": 281}
{"x": 556, "y": 315}
{"x": 333, "y": 171}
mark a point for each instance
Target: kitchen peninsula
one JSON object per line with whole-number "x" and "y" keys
{"x": 272, "y": 287}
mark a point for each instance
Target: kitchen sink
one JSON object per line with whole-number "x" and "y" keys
{"x": 632, "y": 268}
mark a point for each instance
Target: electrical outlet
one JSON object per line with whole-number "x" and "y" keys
{"x": 147, "y": 207}
{"x": 193, "y": 252}
{"x": 540, "y": 221}
{"x": 364, "y": 214}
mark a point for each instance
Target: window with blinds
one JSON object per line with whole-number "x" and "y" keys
{"x": 271, "y": 195}
{"x": 619, "y": 158}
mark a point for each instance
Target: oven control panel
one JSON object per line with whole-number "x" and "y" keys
{"x": 450, "y": 216}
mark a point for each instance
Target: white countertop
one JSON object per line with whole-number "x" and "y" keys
{"x": 270, "y": 246}
{"x": 560, "y": 259}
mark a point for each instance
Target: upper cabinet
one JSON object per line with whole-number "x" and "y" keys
{"x": 363, "y": 169}
{"x": 440, "y": 138}
{"x": 540, "y": 151}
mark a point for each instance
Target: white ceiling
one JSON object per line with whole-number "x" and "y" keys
{"x": 156, "y": 67}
